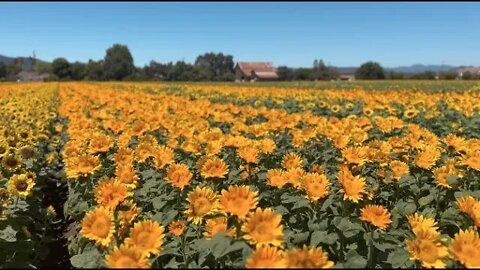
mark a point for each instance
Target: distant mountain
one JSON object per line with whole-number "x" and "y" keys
{"x": 419, "y": 68}
{"x": 6, "y": 60}
{"x": 26, "y": 62}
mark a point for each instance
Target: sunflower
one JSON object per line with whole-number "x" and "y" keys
{"x": 20, "y": 185}
{"x": 419, "y": 222}
{"x": 100, "y": 143}
{"x": 472, "y": 160}
{"x": 465, "y": 248}
{"x": 218, "y": 225}
{"x": 98, "y": 225}
{"x": 426, "y": 159}
{"x": 291, "y": 161}
{"x": 335, "y": 108}
{"x": 276, "y": 178}
{"x": 27, "y": 151}
{"x": 399, "y": 169}
{"x": 147, "y": 237}
{"x": 410, "y": 113}
{"x": 267, "y": 146}
{"x": 126, "y": 217}
{"x": 109, "y": 193}
{"x": 179, "y": 175}
{"x": 202, "y": 201}
{"x": 376, "y": 215}
{"x": 355, "y": 155}
{"x": 125, "y": 173}
{"x": 82, "y": 165}
{"x": 441, "y": 174}
{"x": 124, "y": 156}
{"x": 266, "y": 257}
{"x": 238, "y": 200}
{"x": 263, "y": 227}
{"x": 176, "y": 227}
{"x": 248, "y": 154}
{"x": 4, "y": 148}
{"x": 213, "y": 148}
{"x": 294, "y": 176}
{"x": 358, "y": 136}
{"x": 126, "y": 257}
{"x": 367, "y": 111}
{"x": 466, "y": 204}
{"x": 163, "y": 156}
{"x": 353, "y": 187}
{"x": 143, "y": 151}
{"x": 306, "y": 257}
{"x": 214, "y": 167}
{"x": 427, "y": 249}
{"x": 315, "y": 185}
{"x": 11, "y": 162}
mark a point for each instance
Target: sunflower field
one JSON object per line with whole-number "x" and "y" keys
{"x": 170, "y": 175}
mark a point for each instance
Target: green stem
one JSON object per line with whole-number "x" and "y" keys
{"x": 371, "y": 251}
{"x": 183, "y": 251}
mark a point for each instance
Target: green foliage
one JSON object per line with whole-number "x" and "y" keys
{"x": 370, "y": 71}
{"x": 118, "y": 62}
{"x": 62, "y": 68}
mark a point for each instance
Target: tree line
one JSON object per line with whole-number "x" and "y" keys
{"x": 118, "y": 64}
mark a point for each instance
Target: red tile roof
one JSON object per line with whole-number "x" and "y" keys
{"x": 248, "y": 67}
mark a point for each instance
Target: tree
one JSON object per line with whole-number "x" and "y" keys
{"x": 465, "y": 76}
{"x": 12, "y": 70}
{"x": 285, "y": 73}
{"x": 321, "y": 71}
{"x": 3, "y": 70}
{"x": 62, "y": 68}
{"x": 118, "y": 62}
{"x": 217, "y": 67}
{"x": 79, "y": 71}
{"x": 447, "y": 75}
{"x": 370, "y": 71}
{"x": 303, "y": 74}
{"x": 43, "y": 67}
{"x": 94, "y": 70}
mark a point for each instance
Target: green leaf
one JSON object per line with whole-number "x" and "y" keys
{"x": 8, "y": 234}
{"x": 398, "y": 258}
{"x": 425, "y": 200}
{"x": 452, "y": 180}
{"x": 300, "y": 237}
{"x": 354, "y": 260}
{"x": 347, "y": 228}
{"x": 88, "y": 259}
{"x": 323, "y": 237}
{"x": 158, "y": 203}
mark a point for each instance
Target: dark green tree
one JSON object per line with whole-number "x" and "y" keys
{"x": 94, "y": 70}
{"x": 285, "y": 73}
{"x": 216, "y": 66}
{"x": 447, "y": 75}
{"x": 43, "y": 67}
{"x": 3, "y": 70}
{"x": 370, "y": 71}
{"x": 79, "y": 71}
{"x": 118, "y": 62}
{"x": 303, "y": 74}
{"x": 62, "y": 68}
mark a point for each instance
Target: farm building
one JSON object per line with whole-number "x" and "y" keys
{"x": 253, "y": 71}
{"x": 31, "y": 76}
{"x": 347, "y": 77}
{"x": 472, "y": 70}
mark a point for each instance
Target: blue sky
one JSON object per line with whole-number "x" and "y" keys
{"x": 293, "y": 34}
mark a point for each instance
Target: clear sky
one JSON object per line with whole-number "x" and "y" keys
{"x": 293, "y": 34}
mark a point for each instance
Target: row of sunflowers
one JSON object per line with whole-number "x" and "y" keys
{"x": 27, "y": 148}
{"x": 197, "y": 175}
{"x": 201, "y": 176}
